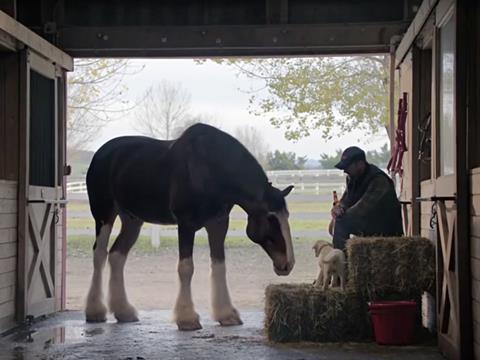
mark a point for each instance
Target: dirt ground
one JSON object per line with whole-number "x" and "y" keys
{"x": 151, "y": 281}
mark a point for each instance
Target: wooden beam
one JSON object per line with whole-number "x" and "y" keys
{"x": 23, "y": 179}
{"x": 464, "y": 38}
{"x": 191, "y": 41}
{"x": 414, "y": 29}
{"x": 33, "y": 41}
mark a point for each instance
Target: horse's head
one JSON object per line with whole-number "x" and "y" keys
{"x": 269, "y": 228}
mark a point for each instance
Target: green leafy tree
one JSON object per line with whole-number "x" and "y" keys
{"x": 333, "y": 94}
{"x": 380, "y": 157}
{"x": 328, "y": 161}
{"x": 376, "y": 157}
{"x": 281, "y": 160}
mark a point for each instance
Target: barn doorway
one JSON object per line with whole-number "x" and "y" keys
{"x": 224, "y": 103}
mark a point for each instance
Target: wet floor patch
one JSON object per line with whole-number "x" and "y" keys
{"x": 67, "y": 336}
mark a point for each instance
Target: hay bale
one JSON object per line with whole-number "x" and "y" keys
{"x": 390, "y": 267}
{"x": 302, "y": 312}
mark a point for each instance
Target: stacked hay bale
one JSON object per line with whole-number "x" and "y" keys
{"x": 306, "y": 313}
{"x": 391, "y": 268}
{"x": 378, "y": 269}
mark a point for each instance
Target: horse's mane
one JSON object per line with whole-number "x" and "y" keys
{"x": 223, "y": 154}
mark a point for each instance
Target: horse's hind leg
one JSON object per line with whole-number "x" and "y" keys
{"x": 223, "y": 310}
{"x": 184, "y": 312}
{"x": 118, "y": 301}
{"x": 95, "y": 309}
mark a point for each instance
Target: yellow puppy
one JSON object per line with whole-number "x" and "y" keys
{"x": 331, "y": 263}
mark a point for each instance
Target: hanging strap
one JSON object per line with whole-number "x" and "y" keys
{"x": 395, "y": 164}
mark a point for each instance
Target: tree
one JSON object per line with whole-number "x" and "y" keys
{"x": 333, "y": 94}
{"x": 195, "y": 119}
{"x": 96, "y": 96}
{"x": 163, "y": 111}
{"x": 254, "y": 141}
{"x": 328, "y": 161}
{"x": 281, "y": 160}
{"x": 379, "y": 158}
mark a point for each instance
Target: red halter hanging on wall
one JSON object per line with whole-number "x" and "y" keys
{"x": 395, "y": 164}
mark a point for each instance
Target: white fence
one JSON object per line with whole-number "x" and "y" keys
{"x": 303, "y": 180}
{"x": 77, "y": 187}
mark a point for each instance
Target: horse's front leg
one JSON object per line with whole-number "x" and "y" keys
{"x": 184, "y": 312}
{"x": 223, "y": 310}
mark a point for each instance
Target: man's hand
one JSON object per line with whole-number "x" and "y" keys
{"x": 337, "y": 211}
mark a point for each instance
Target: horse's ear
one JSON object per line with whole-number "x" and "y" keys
{"x": 287, "y": 190}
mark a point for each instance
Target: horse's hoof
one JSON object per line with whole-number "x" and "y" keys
{"x": 189, "y": 325}
{"x": 126, "y": 318}
{"x": 127, "y": 315}
{"x": 96, "y": 313}
{"x": 232, "y": 318}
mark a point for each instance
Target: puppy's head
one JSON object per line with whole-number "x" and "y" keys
{"x": 318, "y": 247}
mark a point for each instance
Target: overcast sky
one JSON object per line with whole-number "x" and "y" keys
{"x": 217, "y": 91}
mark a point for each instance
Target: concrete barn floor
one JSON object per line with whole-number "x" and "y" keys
{"x": 67, "y": 336}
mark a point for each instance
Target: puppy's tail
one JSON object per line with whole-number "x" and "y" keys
{"x": 334, "y": 256}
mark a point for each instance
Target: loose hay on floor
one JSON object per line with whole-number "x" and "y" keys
{"x": 390, "y": 267}
{"x": 302, "y": 312}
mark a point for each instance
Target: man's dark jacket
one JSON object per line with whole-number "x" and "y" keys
{"x": 372, "y": 205}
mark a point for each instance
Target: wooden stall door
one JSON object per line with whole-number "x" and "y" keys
{"x": 40, "y": 192}
{"x": 447, "y": 192}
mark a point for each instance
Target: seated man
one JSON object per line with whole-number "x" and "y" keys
{"x": 369, "y": 206}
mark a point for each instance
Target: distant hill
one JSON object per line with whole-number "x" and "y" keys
{"x": 79, "y": 160}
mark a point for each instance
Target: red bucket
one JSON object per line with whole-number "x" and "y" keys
{"x": 393, "y": 321}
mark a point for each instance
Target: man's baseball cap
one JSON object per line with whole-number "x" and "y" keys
{"x": 350, "y": 155}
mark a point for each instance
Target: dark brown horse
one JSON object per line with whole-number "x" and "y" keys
{"x": 194, "y": 182}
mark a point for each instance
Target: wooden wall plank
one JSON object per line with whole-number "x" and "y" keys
{"x": 7, "y": 279}
{"x": 8, "y": 235}
{"x": 8, "y": 221}
{"x": 475, "y": 183}
{"x": 8, "y": 264}
{"x": 7, "y": 309}
{"x": 476, "y": 331}
{"x": 476, "y": 309}
{"x": 476, "y": 349}
{"x": 475, "y": 263}
{"x": 476, "y": 290}
{"x": 475, "y": 226}
{"x": 8, "y": 189}
{"x": 8, "y": 206}
{"x": 7, "y": 294}
{"x": 8, "y": 250}
{"x": 475, "y": 247}
{"x": 475, "y": 207}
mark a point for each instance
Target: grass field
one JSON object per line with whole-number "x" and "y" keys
{"x": 293, "y": 207}
{"x": 235, "y": 224}
{"x": 82, "y": 244}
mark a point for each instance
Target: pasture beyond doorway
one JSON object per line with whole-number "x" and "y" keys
{"x": 152, "y": 270}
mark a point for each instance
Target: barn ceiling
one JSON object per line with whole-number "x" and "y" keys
{"x": 215, "y": 27}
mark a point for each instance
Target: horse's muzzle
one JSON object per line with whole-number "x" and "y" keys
{"x": 284, "y": 270}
